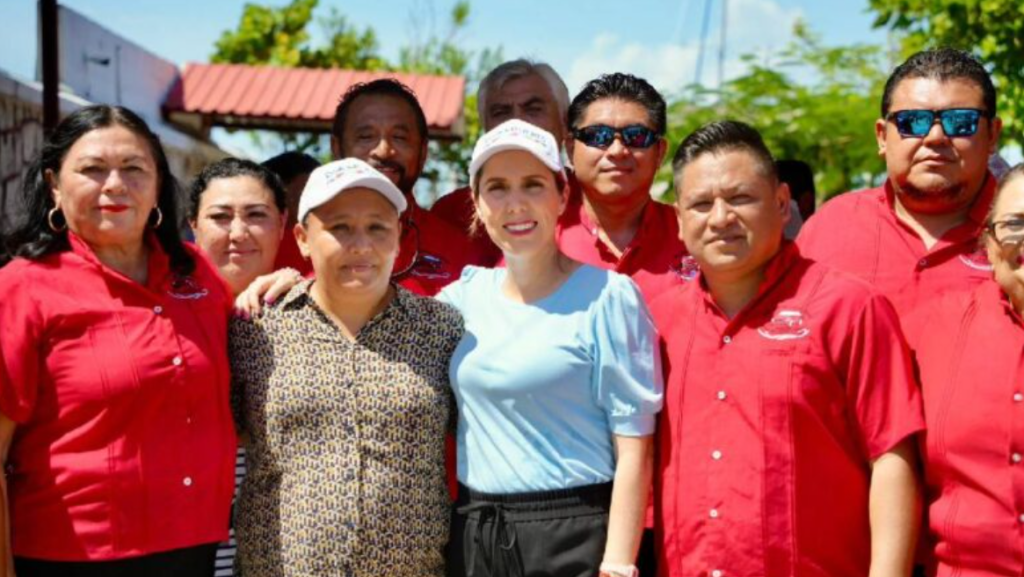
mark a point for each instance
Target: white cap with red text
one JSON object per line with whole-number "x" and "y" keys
{"x": 334, "y": 178}
{"x": 515, "y": 135}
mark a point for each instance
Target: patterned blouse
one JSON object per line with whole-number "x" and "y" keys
{"x": 346, "y": 439}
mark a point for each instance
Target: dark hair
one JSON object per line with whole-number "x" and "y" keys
{"x": 724, "y": 136}
{"x": 291, "y": 164}
{"x": 381, "y": 87}
{"x": 620, "y": 87}
{"x": 230, "y": 168}
{"x": 797, "y": 174}
{"x": 32, "y": 238}
{"x": 942, "y": 64}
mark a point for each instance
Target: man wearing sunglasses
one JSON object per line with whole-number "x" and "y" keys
{"x": 917, "y": 235}
{"x": 617, "y": 128}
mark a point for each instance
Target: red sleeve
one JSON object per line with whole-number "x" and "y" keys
{"x": 21, "y": 330}
{"x": 880, "y": 383}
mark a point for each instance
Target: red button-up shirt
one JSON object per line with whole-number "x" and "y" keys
{"x": 859, "y": 232}
{"x": 289, "y": 255}
{"x": 432, "y": 254}
{"x": 124, "y": 443}
{"x": 771, "y": 421}
{"x": 969, "y": 348}
{"x": 653, "y": 258}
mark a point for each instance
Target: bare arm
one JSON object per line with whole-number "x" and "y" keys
{"x": 634, "y": 466}
{"x": 895, "y": 510}
{"x": 6, "y": 557}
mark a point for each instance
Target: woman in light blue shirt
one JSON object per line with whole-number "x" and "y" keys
{"x": 557, "y": 381}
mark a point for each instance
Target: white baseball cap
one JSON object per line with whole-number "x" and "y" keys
{"x": 515, "y": 135}
{"x": 334, "y": 178}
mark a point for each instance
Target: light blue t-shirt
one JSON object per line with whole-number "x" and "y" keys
{"x": 542, "y": 387}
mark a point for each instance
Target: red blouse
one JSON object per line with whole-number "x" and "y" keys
{"x": 124, "y": 444}
{"x": 969, "y": 348}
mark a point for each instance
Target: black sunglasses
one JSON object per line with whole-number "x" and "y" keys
{"x": 954, "y": 121}
{"x": 602, "y": 136}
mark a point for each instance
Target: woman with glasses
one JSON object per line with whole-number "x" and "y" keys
{"x": 557, "y": 383}
{"x": 969, "y": 347}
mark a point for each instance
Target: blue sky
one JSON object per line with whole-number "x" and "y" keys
{"x": 654, "y": 38}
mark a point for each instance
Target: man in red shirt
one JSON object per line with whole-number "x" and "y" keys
{"x": 381, "y": 122}
{"x": 530, "y": 91}
{"x": 786, "y": 444}
{"x": 618, "y": 124}
{"x": 917, "y": 235}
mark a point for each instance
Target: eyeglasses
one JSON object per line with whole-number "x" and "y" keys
{"x": 602, "y": 136}
{"x": 954, "y": 121}
{"x": 1009, "y": 231}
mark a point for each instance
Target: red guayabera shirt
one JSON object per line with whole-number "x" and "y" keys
{"x": 652, "y": 259}
{"x": 771, "y": 421}
{"x": 124, "y": 443}
{"x": 969, "y": 348}
{"x": 858, "y": 232}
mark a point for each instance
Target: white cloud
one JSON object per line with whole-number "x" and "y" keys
{"x": 755, "y": 26}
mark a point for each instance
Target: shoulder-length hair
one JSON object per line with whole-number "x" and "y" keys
{"x": 31, "y": 236}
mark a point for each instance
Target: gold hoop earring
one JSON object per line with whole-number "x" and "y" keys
{"x": 159, "y": 216}
{"x": 49, "y": 220}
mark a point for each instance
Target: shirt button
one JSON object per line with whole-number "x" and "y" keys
{"x": 1016, "y": 457}
{"x": 187, "y": 481}
{"x": 1021, "y": 518}
{"x": 922, "y": 263}
{"x": 188, "y": 420}
{"x": 1018, "y": 397}
{"x": 716, "y": 455}
{"x": 714, "y": 514}
{"x": 158, "y": 309}
{"x": 716, "y": 573}
{"x": 721, "y": 395}
{"x": 727, "y": 339}
{"x": 176, "y": 361}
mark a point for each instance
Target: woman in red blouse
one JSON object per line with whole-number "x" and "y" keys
{"x": 115, "y": 425}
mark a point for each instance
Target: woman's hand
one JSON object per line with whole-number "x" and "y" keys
{"x": 266, "y": 289}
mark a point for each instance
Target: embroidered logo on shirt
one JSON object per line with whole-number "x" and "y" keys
{"x": 978, "y": 260}
{"x": 785, "y": 325}
{"x": 186, "y": 288}
{"x": 686, "y": 268}
{"x": 430, "y": 266}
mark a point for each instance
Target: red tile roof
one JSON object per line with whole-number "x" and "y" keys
{"x": 268, "y": 97}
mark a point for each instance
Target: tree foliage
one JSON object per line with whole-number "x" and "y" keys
{"x": 814, "y": 103}
{"x": 992, "y": 29}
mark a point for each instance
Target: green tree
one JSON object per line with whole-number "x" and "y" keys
{"x": 992, "y": 29}
{"x": 813, "y": 102}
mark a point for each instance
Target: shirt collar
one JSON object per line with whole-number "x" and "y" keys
{"x": 299, "y": 296}
{"x": 777, "y": 269}
{"x": 158, "y": 264}
{"x": 979, "y": 209}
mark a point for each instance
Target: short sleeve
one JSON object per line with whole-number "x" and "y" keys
{"x": 880, "y": 383}
{"x": 21, "y": 333}
{"x": 628, "y": 378}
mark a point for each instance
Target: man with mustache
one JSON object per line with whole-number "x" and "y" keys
{"x": 382, "y": 123}
{"x": 917, "y": 235}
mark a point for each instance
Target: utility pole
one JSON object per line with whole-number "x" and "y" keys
{"x": 703, "y": 40}
{"x": 49, "y": 59}
{"x": 721, "y": 45}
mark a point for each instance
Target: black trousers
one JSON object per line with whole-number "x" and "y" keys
{"x": 189, "y": 562}
{"x": 548, "y": 533}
